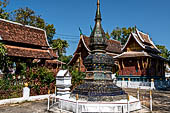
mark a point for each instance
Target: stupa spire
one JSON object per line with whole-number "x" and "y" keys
{"x": 97, "y": 37}
{"x": 98, "y": 13}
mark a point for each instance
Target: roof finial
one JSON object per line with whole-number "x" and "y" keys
{"x": 98, "y": 14}
{"x": 98, "y": 2}
{"x": 81, "y": 33}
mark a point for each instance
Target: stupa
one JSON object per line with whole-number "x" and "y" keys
{"x": 98, "y": 93}
{"x": 98, "y": 84}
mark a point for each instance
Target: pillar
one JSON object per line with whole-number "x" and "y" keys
{"x": 26, "y": 91}
{"x": 128, "y": 84}
{"x": 151, "y": 100}
{"x": 152, "y": 84}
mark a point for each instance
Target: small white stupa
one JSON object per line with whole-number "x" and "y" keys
{"x": 63, "y": 83}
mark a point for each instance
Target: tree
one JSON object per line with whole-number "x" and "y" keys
{"x": 3, "y": 13}
{"x": 66, "y": 59}
{"x": 122, "y": 34}
{"x": 164, "y": 51}
{"x": 77, "y": 78}
{"x": 27, "y": 16}
{"x": 60, "y": 45}
{"x": 2, "y": 55}
{"x": 5, "y": 62}
{"x": 107, "y": 35}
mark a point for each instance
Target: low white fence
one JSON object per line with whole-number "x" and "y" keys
{"x": 26, "y": 97}
{"x": 144, "y": 85}
{"x": 79, "y": 106}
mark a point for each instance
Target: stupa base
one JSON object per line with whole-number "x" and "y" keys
{"x": 99, "y": 90}
{"x": 70, "y": 104}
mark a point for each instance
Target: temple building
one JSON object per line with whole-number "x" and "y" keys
{"x": 26, "y": 43}
{"x": 140, "y": 60}
{"x": 83, "y": 50}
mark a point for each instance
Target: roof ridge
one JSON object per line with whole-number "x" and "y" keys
{"x": 17, "y": 23}
{"x": 140, "y": 37}
{"x": 143, "y": 33}
{"x": 30, "y": 35}
{"x": 114, "y": 40}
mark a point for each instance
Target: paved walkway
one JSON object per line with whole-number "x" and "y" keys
{"x": 161, "y": 104}
{"x": 27, "y": 107}
{"x": 161, "y": 99}
{"x": 38, "y": 107}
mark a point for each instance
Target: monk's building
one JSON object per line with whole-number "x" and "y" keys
{"x": 26, "y": 43}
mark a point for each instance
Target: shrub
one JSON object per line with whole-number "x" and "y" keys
{"x": 77, "y": 77}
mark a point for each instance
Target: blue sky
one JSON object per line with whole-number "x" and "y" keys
{"x": 150, "y": 16}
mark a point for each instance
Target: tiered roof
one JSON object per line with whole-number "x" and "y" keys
{"x": 24, "y": 41}
{"x": 143, "y": 40}
{"x": 15, "y": 32}
{"x": 114, "y": 46}
{"x": 134, "y": 54}
{"x": 27, "y": 52}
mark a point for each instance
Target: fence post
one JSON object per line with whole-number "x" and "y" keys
{"x": 122, "y": 109}
{"x": 150, "y": 99}
{"x": 138, "y": 93}
{"x": 128, "y": 107}
{"x": 26, "y": 91}
{"x": 55, "y": 93}
{"x": 48, "y": 108}
{"x": 77, "y": 107}
{"x": 55, "y": 90}
{"x": 122, "y": 82}
{"x": 48, "y": 91}
{"x": 161, "y": 82}
{"x": 128, "y": 83}
{"x": 152, "y": 84}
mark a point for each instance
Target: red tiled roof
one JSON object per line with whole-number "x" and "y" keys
{"x": 15, "y": 32}
{"x": 55, "y": 61}
{"x": 87, "y": 41}
{"x": 74, "y": 58}
{"x": 138, "y": 54}
{"x": 132, "y": 54}
{"x": 27, "y": 52}
{"x": 143, "y": 40}
{"x": 145, "y": 37}
{"x": 113, "y": 45}
{"x": 53, "y": 52}
{"x": 146, "y": 41}
{"x": 113, "y": 48}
